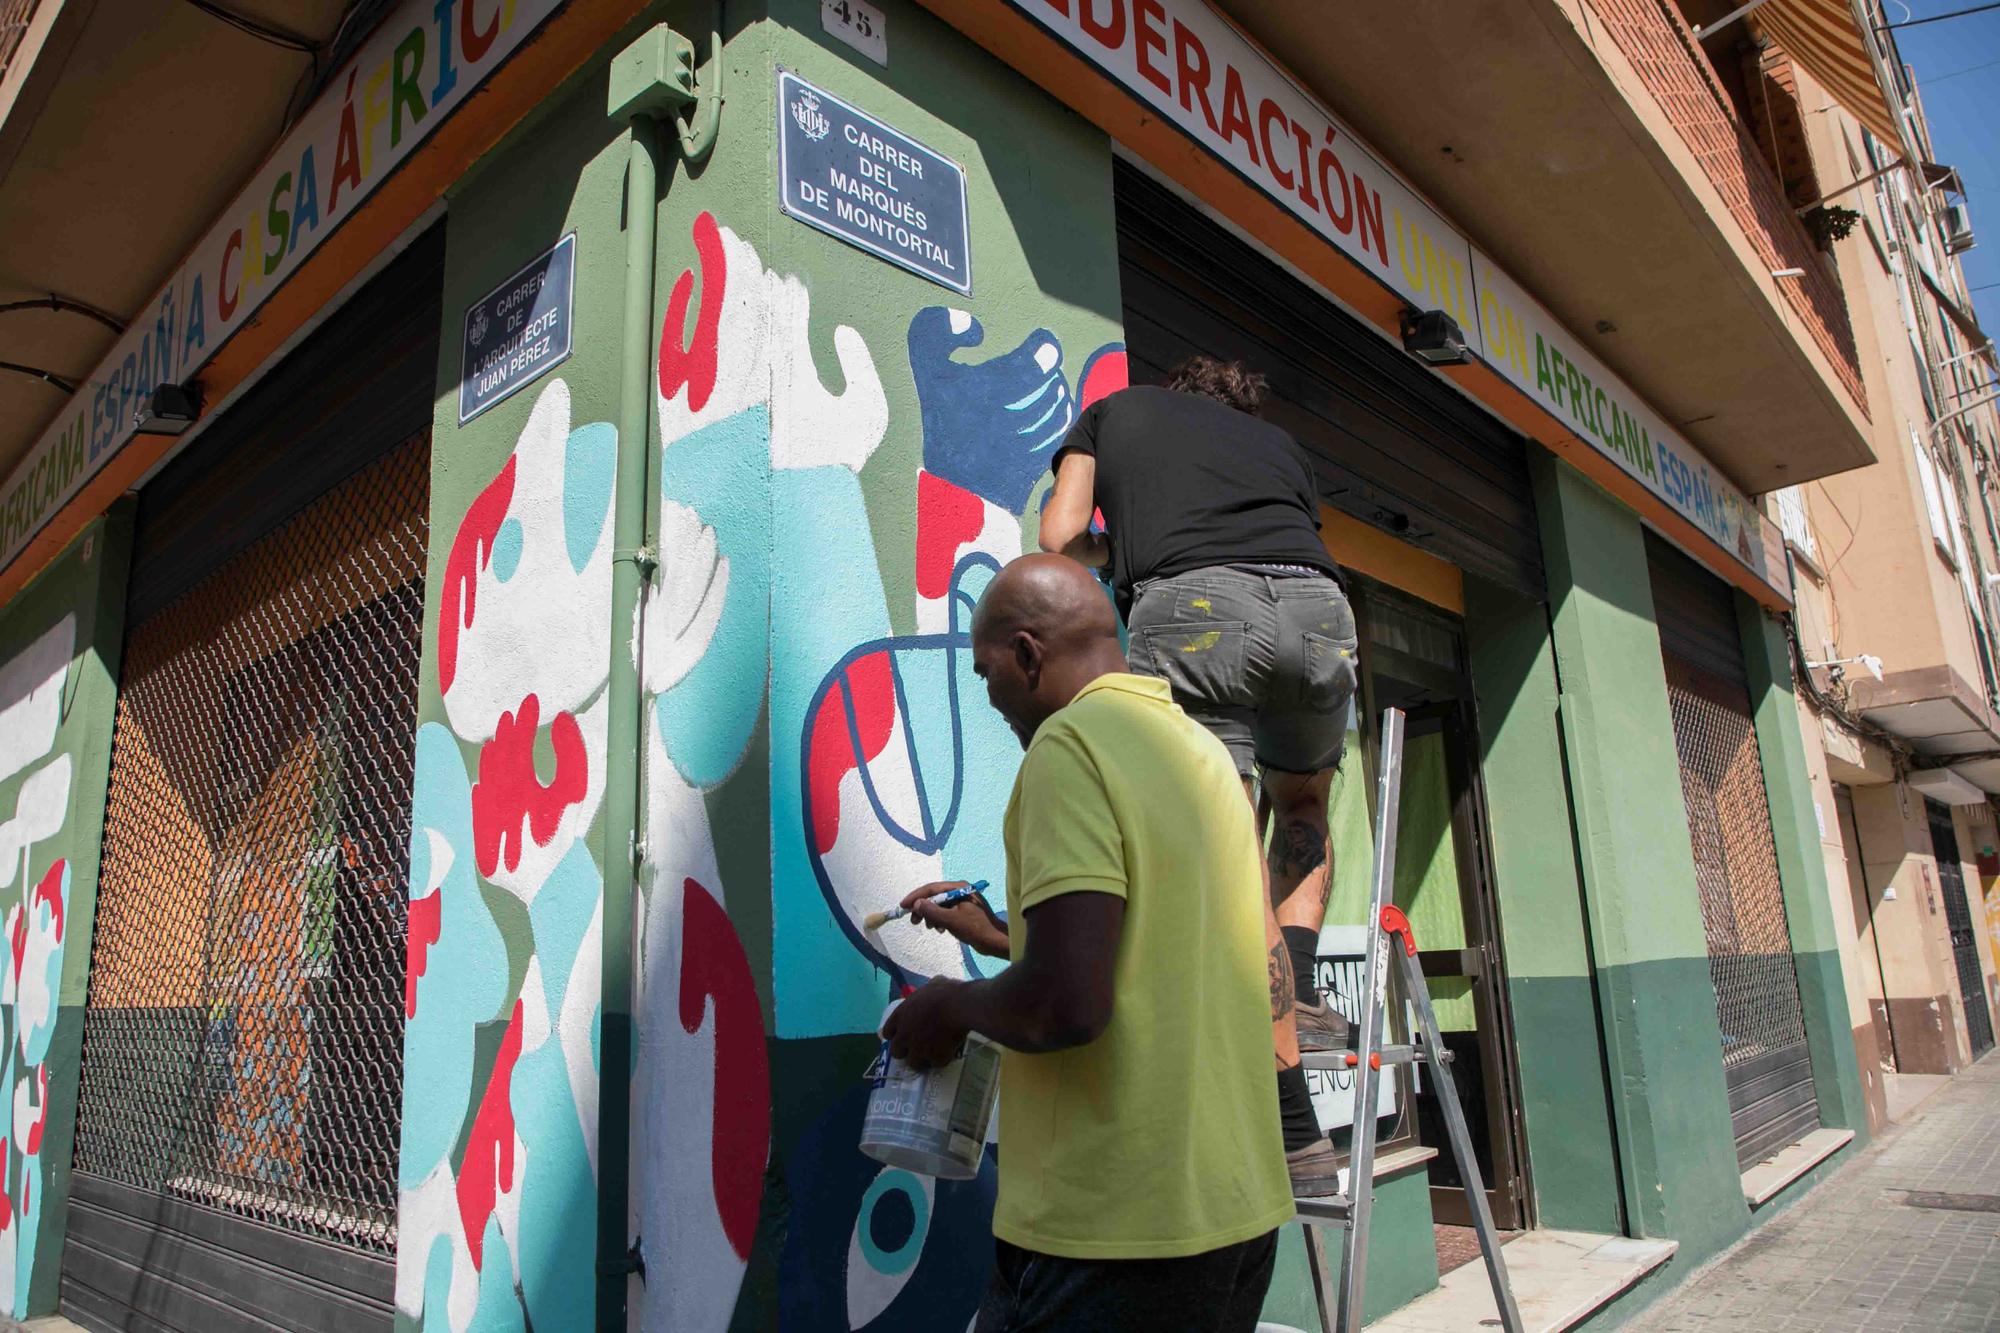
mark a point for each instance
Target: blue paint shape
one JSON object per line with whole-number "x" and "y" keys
{"x": 993, "y": 426}
{"x": 437, "y": 1286}
{"x": 558, "y": 1241}
{"x": 590, "y": 463}
{"x": 561, "y": 914}
{"x": 499, "y": 1308}
{"x": 723, "y": 473}
{"x": 826, "y": 597}
{"x": 465, "y": 980}
{"x": 894, "y": 1220}
{"x": 507, "y": 544}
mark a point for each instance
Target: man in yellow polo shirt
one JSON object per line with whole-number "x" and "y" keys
{"x": 1142, "y": 1177}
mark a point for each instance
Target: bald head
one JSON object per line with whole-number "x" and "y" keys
{"x": 1050, "y": 596}
{"x": 1042, "y": 632}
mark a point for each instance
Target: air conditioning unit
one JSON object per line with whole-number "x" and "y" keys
{"x": 1957, "y": 231}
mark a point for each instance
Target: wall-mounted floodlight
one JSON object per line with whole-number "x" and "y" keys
{"x": 168, "y": 410}
{"x": 1434, "y": 338}
{"x": 1788, "y": 273}
{"x": 1867, "y": 661}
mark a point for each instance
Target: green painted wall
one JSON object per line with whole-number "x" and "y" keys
{"x": 1802, "y": 871}
{"x": 1566, "y": 1112}
{"x": 1656, "y": 1004}
{"x": 59, "y": 647}
{"x": 1402, "y": 1260}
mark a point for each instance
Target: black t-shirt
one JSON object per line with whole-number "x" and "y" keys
{"x": 1186, "y": 482}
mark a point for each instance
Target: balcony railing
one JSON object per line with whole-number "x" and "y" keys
{"x": 1675, "y": 69}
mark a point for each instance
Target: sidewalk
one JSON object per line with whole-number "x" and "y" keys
{"x": 1906, "y": 1236}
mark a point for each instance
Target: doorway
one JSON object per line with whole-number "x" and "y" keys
{"x": 1413, "y": 658}
{"x": 1958, "y": 918}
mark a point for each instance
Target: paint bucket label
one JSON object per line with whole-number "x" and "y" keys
{"x": 933, "y": 1123}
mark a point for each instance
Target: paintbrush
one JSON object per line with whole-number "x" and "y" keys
{"x": 877, "y": 920}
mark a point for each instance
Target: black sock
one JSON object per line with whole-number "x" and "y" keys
{"x": 1295, "y": 1109}
{"x": 1303, "y": 946}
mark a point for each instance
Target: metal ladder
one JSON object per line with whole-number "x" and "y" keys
{"x": 1369, "y": 1056}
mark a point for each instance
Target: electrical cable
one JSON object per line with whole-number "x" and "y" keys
{"x": 1939, "y": 18}
{"x": 37, "y": 373}
{"x": 263, "y": 32}
{"x": 63, "y": 303}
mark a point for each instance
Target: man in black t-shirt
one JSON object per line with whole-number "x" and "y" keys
{"x": 1211, "y": 534}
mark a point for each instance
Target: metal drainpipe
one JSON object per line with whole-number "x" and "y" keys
{"x": 634, "y": 557}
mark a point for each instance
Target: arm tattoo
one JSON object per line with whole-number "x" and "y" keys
{"x": 1297, "y": 849}
{"x": 1283, "y": 988}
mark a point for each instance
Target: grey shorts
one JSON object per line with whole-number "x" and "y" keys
{"x": 1265, "y": 662}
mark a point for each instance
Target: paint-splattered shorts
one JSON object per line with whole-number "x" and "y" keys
{"x": 1264, "y": 661}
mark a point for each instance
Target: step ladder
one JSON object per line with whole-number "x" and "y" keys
{"x": 1369, "y": 1056}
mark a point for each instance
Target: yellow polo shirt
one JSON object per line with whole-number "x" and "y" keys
{"x": 1160, "y": 1138}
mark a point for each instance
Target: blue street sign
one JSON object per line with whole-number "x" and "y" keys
{"x": 518, "y": 330}
{"x": 845, "y": 172}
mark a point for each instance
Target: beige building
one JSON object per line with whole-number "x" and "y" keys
{"x": 1891, "y": 567}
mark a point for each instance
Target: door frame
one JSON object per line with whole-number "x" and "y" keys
{"x": 1509, "y": 1195}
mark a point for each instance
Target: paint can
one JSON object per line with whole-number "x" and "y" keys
{"x": 933, "y": 1123}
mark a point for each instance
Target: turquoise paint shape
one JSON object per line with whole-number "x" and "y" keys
{"x": 826, "y": 599}
{"x": 905, "y": 1255}
{"x": 558, "y": 1240}
{"x": 590, "y": 460}
{"x": 437, "y": 1286}
{"x": 507, "y": 544}
{"x": 465, "y": 978}
{"x": 723, "y": 473}
{"x": 561, "y": 913}
{"x": 499, "y": 1308}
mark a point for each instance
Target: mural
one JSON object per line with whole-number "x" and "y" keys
{"x": 36, "y": 892}
{"x": 887, "y": 769}
{"x": 501, "y": 998}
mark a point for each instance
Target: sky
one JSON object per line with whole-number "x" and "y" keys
{"x": 1957, "y": 66}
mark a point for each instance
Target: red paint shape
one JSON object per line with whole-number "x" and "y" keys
{"x": 693, "y": 364}
{"x": 471, "y": 551}
{"x": 489, "y": 1151}
{"x": 1107, "y": 373}
{"x": 426, "y": 921}
{"x": 7, "y": 1204}
{"x": 948, "y": 516}
{"x": 50, "y": 891}
{"x": 715, "y": 977}
{"x": 832, "y": 753}
{"x": 509, "y": 791}
{"x": 31, "y": 1142}
{"x": 17, "y": 939}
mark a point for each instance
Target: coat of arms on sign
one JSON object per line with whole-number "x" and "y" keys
{"x": 805, "y": 110}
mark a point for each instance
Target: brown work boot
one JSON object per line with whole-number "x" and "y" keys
{"x": 1315, "y": 1170}
{"x": 1321, "y": 1027}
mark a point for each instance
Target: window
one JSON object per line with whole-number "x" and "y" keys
{"x": 1793, "y": 522}
{"x": 1941, "y": 531}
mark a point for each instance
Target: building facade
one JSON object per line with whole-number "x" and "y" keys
{"x": 487, "y": 577}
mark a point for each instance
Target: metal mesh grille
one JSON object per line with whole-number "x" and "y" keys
{"x": 243, "y": 1035}
{"x": 1964, "y": 940}
{"x": 1742, "y": 901}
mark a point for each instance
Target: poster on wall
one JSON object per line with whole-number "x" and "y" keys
{"x": 846, "y": 173}
{"x": 518, "y": 330}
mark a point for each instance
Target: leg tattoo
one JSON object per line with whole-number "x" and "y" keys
{"x": 1283, "y": 987}
{"x": 1297, "y": 849}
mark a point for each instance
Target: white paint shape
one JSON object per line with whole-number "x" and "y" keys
{"x": 683, "y": 611}
{"x": 39, "y": 812}
{"x": 870, "y": 1291}
{"x": 31, "y": 686}
{"x": 673, "y": 1123}
{"x": 543, "y": 629}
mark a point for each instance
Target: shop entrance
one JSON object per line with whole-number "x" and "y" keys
{"x": 240, "y": 1100}
{"x": 1413, "y": 658}
{"x": 1958, "y": 918}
